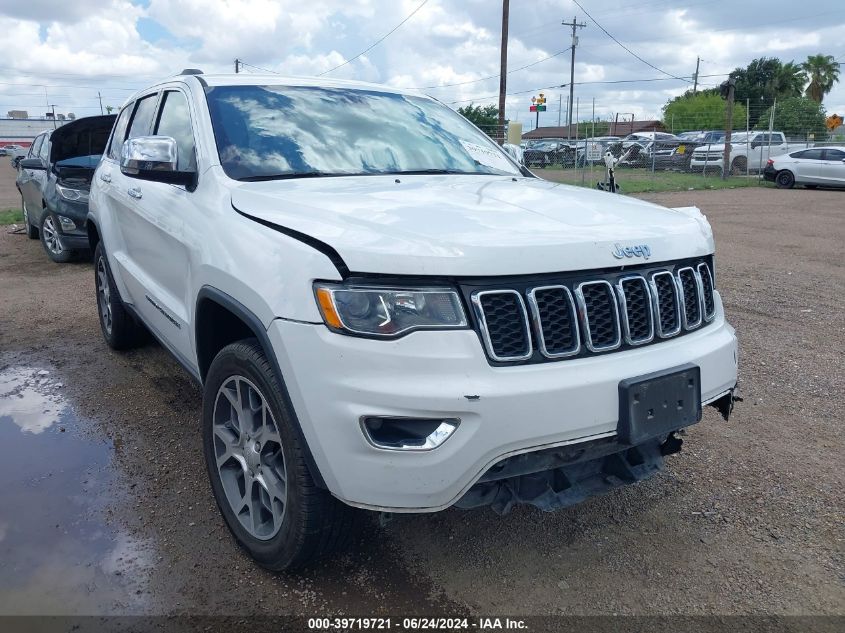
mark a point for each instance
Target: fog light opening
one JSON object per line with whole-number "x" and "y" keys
{"x": 67, "y": 223}
{"x": 407, "y": 434}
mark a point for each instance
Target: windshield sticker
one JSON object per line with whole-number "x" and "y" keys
{"x": 487, "y": 157}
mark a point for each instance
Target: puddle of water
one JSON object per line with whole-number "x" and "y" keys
{"x": 59, "y": 552}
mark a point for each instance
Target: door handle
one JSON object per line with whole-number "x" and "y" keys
{"x": 105, "y": 177}
{"x": 135, "y": 193}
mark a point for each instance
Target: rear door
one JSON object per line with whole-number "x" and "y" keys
{"x": 832, "y": 168}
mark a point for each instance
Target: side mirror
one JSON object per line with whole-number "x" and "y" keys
{"x": 153, "y": 158}
{"x": 755, "y": 144}
{"x": 32, "y": 163}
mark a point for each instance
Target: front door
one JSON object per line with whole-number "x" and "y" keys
{"x": 157, "y": 229}
{"x": 832, "y": 168}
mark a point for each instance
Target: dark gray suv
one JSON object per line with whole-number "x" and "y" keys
{"x": 54, "y": 180}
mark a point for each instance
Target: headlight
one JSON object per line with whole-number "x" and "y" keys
{"x": 388, "y": 312}
{"x": 74, "y": 195}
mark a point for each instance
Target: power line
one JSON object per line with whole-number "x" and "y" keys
{"x": 583, "y": 83}
{"x": 474, "y": 81}
{"x": 264, "y": 70}
{"x": 378, "y": 41}
{"x": 606, "y": 32}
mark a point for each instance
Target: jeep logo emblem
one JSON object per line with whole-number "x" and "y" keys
{"x": 640, "y": 250}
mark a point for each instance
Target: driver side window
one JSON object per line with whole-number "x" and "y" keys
{"x": 44, "y": 150}
{"x": 175, "y": 121}
{"x": 35, "y": 147}
{"x": 119, "y": 134}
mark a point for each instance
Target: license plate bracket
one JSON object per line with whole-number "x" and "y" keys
{"x": 659, "y": 403}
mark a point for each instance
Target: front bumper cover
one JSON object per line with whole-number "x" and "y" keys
{"x": 333, "y": 380}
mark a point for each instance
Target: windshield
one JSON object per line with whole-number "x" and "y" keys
{"x": 268, "y": 132}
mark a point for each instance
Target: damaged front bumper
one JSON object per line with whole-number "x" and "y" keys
{"x": 560, "y": 477}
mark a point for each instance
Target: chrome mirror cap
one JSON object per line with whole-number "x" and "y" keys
{"x": 148, "y": 153}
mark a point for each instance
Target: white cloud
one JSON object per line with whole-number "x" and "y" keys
{"x": 100, "y": 45}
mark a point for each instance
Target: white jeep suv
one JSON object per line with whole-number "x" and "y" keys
{"x": 386, "y": 312}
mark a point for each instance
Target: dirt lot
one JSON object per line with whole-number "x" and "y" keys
{"x": 113, "y": 513}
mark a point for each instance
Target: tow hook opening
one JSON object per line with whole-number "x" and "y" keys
{"x": 725, "y": 404}
{"x": 407, "y": 433}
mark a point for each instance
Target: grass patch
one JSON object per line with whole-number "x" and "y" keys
{"x": 644, "y": 180}
{"x": 11, "y": 216}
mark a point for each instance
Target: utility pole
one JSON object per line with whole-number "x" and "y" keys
{"x": 695, "y": 76}
{"x": 100, "y": 97}
{"x": 53, "y": 105}
{"x": 575, "y": 25}
{"x": 503, "y": 71}
{"x": 237, "y": 66}
{"x": 726, "y": 89}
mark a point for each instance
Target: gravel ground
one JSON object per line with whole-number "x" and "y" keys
{"x": 747, "y": 519}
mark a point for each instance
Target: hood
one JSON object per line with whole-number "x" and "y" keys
{"x": 473, "y": 225}
{"x": 81, "y": 138}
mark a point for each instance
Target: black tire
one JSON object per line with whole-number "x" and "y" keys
{"x": 31, "y": 231}
{"x": 51, "y": 240}
{"x": 313, "y": 522}
{"x": 119, "y": 328}
{"x": 785, "y": 179}
{"x": 738, "y": 166}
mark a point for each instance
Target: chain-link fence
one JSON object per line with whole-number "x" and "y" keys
{"x": 678, "y": 152}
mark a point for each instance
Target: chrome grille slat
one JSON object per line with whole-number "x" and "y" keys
{"x": 689, "y": 286}
{"x": 555, "y": 321}
{"x": 636, "y": 309}
{"x": 705, "y": 275}
{"x": 599, "y": 315}
{"x": 504, "y": 324}
{"x": 667, "y": 308}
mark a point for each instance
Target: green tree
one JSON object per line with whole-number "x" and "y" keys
{"x": 109, "y": 109}
{"x": 797, "y": 117}
{"x": 822, "y": 72}
{"x": 764, "y": 80}
{"x": 700, "y": 111}
{"x": 789, "y": 80}
{"x": 485, "y": 117}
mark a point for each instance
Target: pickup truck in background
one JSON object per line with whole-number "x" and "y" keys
{"x": 749, "y": 152}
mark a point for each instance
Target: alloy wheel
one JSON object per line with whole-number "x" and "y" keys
{"x": 249, "y": 457}
{"x": 51, "y": 236}
{"x": 104, "y": 295}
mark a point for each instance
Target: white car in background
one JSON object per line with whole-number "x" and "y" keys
{"x": 813, "y": 167}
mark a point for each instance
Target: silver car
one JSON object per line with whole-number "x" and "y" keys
{"x": 812, "y": 167}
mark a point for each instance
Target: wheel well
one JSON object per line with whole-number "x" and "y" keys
{"x": 93, "y": 235}
{"x": 216, "y": 327}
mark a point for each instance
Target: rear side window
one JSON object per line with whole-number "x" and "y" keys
{"x": 119, "y": 134}
{"x": 834, "y": 154}
{"x": 810, "y": 154}
{"x": 175, "y": 122}
{"x": 142, "y": 120}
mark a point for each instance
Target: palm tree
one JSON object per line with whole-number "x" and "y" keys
{"x": 789, "y": 80}
{"x": 823, "y": 72}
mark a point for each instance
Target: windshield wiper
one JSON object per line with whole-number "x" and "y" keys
{"x": 301, "y": 174}
{"x": 412, "y": 172}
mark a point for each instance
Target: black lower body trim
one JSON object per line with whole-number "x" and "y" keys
{"x": 558, "y": 478}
